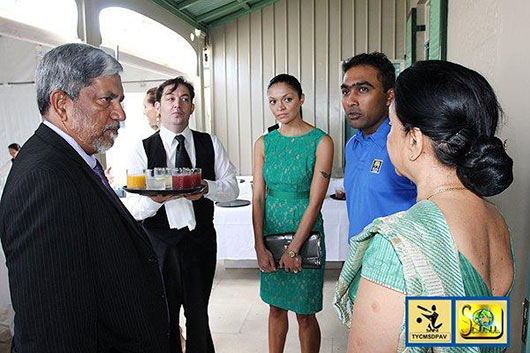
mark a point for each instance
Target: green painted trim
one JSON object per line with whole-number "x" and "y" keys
{"x": 185, "y": 4}
{"x": 236, "y": 15}
{"x": 414, "y": 39}
{"x": 167, "y": 5}
{"x": 221, "y": 11}
{"x": 410, "y": 42}
{"x": 443, "y": 30}
{"x": 438, "y": 30}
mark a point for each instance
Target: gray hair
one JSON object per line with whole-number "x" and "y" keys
{"x": 69, "y": 68}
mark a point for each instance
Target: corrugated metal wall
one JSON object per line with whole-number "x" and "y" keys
{"x": 305, "y": 38}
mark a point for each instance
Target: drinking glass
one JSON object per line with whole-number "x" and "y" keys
{"x": 187, "y": 178}
{"x": 135, "y": 178}
{"x": 169, "y": 180}
{"x": 196, "y": 177}
{"x": 177, "y": 178}
{"x": 155, "y": 178}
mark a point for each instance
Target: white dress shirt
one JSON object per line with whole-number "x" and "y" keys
{"x": 180, "y": 211}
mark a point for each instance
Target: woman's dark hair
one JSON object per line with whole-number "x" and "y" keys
{"x": 457, "y": 108}
{"x": 151, "y": 95}
{"x": 289, "y": 80}
{"x": 175, "y": 82}
{"x": 14, "y": 146}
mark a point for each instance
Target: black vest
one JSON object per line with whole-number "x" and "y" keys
{"x": 205, "y": 159}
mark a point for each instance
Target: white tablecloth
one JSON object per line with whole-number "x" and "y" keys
{"x": 235, "y": 236}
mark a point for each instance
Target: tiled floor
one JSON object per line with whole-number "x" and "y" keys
{"x": 5, "y": 333}
{"x": 238, "y": 317}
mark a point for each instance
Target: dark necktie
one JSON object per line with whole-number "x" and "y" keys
{"x": 101, "y": 174}
{"x": 182, "y": 159}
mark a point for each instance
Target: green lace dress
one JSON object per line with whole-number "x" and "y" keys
{"x": 288, "y": 172}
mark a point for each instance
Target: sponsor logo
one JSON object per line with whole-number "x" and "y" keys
{"x": 376, "y": 166}
{"x": 429, "y": 321}
{"x": 481, "y": 321}
{"x": 457, "y": 321}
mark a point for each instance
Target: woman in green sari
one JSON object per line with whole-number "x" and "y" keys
{"x": 453, "y": 242}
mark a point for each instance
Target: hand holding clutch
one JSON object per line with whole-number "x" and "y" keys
{"x": 291, "y": 263}
{"x": 310, "y": 252}
{"x": 265, "y": 261}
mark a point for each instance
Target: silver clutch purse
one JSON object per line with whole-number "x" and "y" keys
{"x": 311, "y": 251}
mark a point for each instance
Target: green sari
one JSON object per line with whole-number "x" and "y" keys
{"x": 414, "y": 253}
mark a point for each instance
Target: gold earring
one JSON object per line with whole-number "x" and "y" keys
{"x": 411, "y": 156}
{"x": 158, "y": 118}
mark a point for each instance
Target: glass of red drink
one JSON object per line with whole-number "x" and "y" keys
{"x": 187, "y": 178}
{"x": 177, "y": 176}
{"x": 196, "y": 177}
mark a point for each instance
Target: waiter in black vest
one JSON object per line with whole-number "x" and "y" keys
{"x": 181, "y": 229}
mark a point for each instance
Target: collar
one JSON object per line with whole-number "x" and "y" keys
{"x": 90, "y": 160}
{"x": 168, "y": 136}
{"x": 378, "y": 137}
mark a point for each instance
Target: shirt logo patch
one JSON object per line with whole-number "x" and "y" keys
{"x": 376, "y": 166}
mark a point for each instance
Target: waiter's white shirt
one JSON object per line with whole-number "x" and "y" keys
{"x": 180, "y": 211}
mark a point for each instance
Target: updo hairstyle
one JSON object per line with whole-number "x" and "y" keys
{"x": 289, "y": 80}
{"x": 458, "y": 110}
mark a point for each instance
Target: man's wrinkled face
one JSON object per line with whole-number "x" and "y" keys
{"x": 175, "y": 107}
{"x": 94, "y": 118}
{"x": 364, "y": 100}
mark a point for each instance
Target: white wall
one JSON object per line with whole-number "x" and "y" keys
{"x": 19, "y": 115}
{"x": 491, "y": 37}
{"x": 305, "y": 38}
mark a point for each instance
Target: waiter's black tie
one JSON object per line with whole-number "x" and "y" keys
{"x": 182, "y": 159}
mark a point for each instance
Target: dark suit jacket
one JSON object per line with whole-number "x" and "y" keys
{"x": 83, "y": 275}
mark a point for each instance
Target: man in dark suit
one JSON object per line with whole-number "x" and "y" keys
{"x": 83, "y": 275}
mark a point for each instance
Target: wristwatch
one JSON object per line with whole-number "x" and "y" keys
{"x": 291, "y": 253}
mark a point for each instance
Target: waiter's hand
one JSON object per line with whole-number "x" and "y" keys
{"x": 164, "y": 198}
{"x": 109, "y": 176}
{"x": 198, "y": 195}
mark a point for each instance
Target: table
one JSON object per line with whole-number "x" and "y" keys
{"x": 235, "y": 235}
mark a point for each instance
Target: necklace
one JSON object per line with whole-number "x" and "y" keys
{"x": 445, "y": 189}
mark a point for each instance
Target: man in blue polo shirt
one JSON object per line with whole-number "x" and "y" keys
{"x": 373, "y": 189}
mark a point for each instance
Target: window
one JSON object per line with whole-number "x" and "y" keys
{"x": 141, "y": 36}
{"x": 56, "y": 16}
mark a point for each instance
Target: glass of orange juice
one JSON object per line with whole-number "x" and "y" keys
{"x": 135, "y": 179}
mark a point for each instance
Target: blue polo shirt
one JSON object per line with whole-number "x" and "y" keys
{"x": 373, "y": 189}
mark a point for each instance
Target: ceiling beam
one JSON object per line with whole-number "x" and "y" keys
{"x": 244, "y": 4}
{"x": 21, "y": 31}
{"x": 221, "y": 11}
{"x": 236, "y": 15}
{"x": 185, "y": 4}
{"x": 169, "y": 6}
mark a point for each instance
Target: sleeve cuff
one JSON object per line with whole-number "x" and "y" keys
{"x": 212, "y": 190}
{"x": 149, "y": 206}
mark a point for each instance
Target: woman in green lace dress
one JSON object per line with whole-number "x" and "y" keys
{"x": 292, "y": 167}
{"x": 452, "y": 242}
